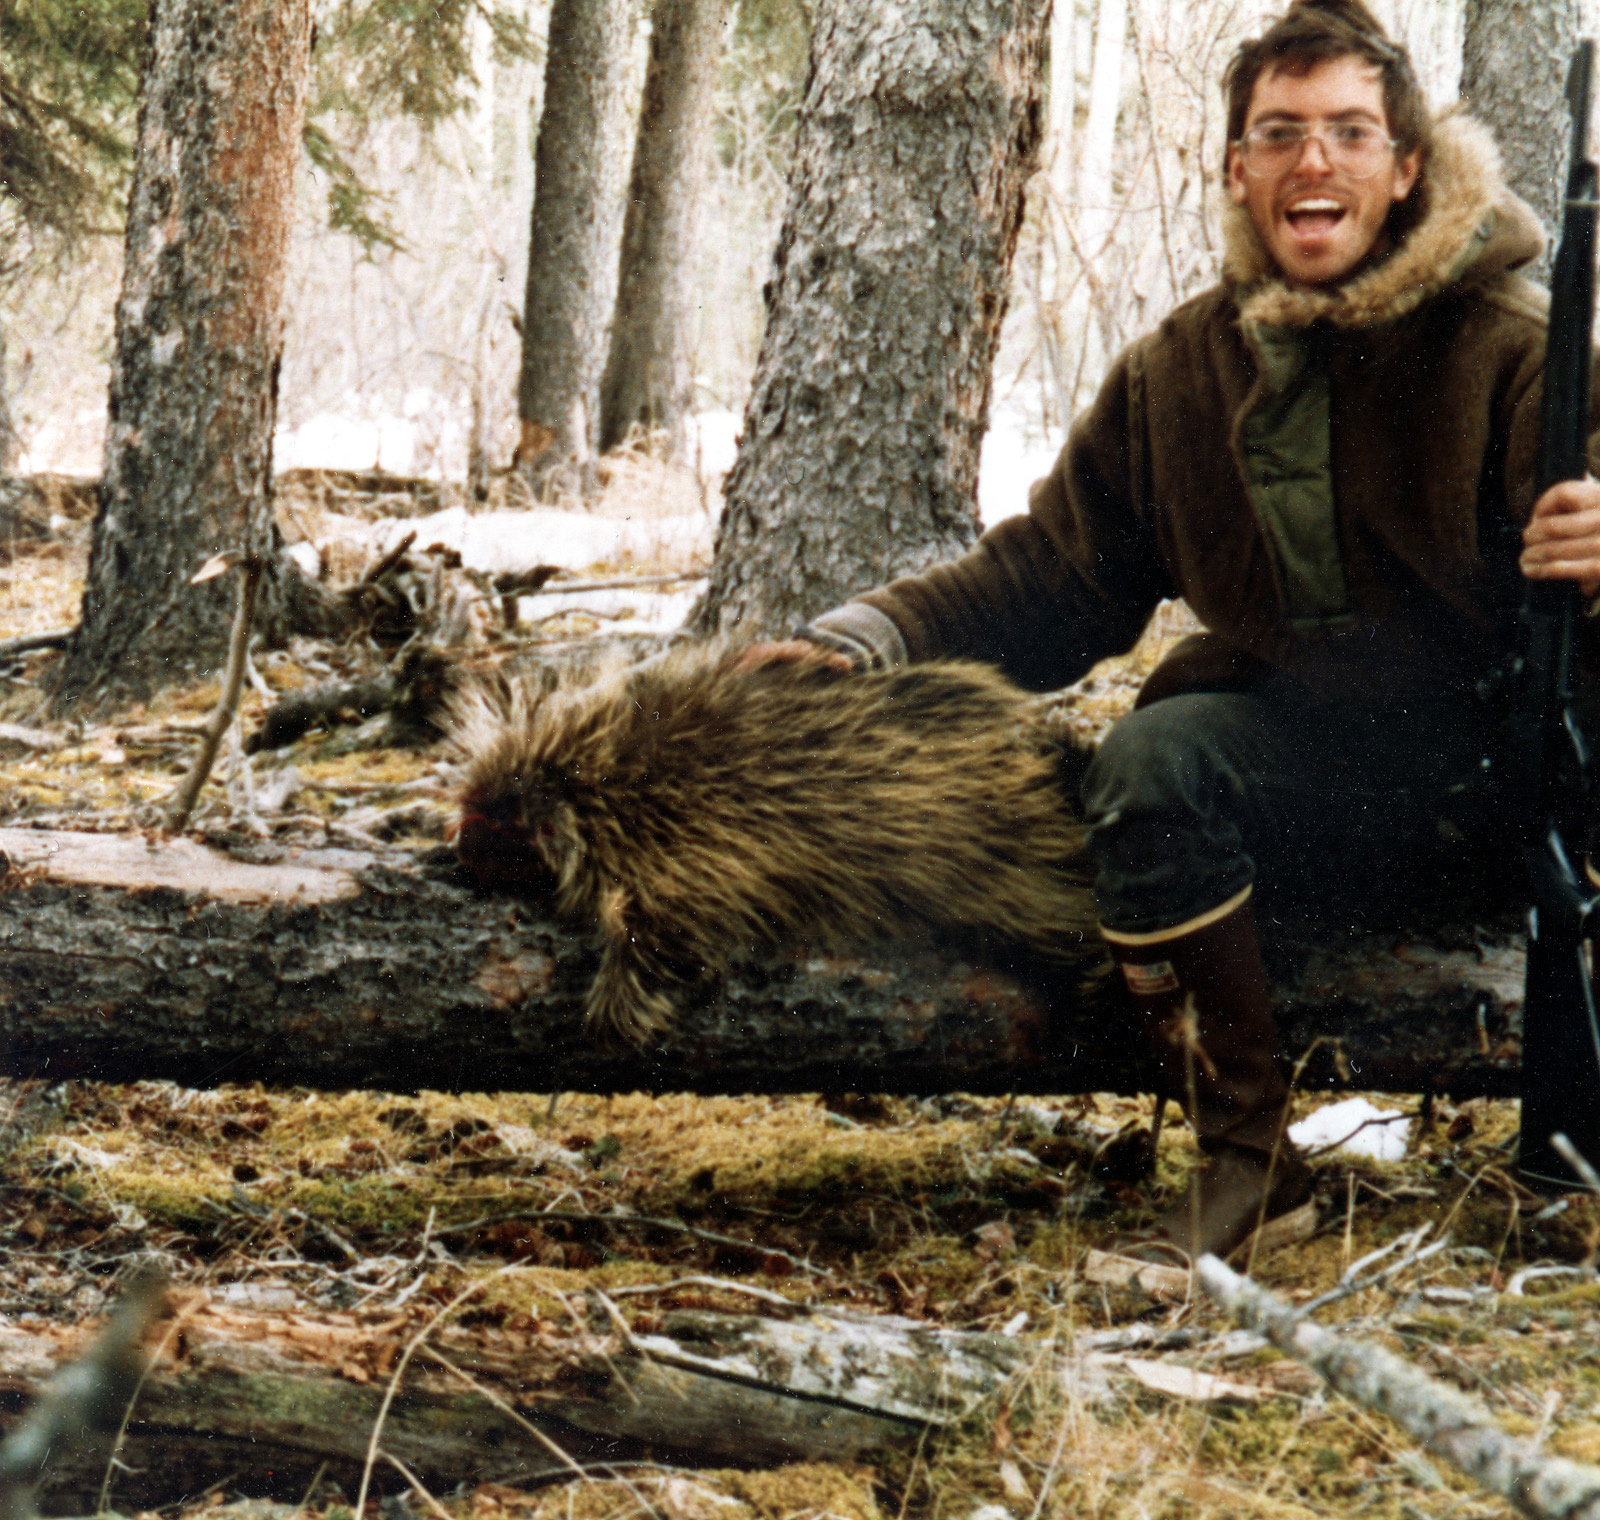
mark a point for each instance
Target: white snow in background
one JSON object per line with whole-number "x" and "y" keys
{"x": 421, "y": 436}
{"x": 1357, "y": 1127}
{"x": 497, "y": 542}
{"x": 1014, "y": 456}
{"x": 713, "y": 442}
{"x": 424, "y": 437}
{"x": 660, "y": 611}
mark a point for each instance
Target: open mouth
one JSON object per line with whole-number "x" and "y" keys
{"x": 1314, "y": 216}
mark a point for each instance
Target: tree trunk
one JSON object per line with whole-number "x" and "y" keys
{"x": 1514, "y": 60}
{"x": 647, "y": 370}
{"x": 1088, "y": 324}
{"x": 577, "y": 215}
{"x": 121, "y": 961}
{"x": 10, "y": 445}
{"x": 199, "y": 337}
{"x": 858, "y": 459}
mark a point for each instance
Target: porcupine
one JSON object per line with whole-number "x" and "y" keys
{"x": 690, "y": 807}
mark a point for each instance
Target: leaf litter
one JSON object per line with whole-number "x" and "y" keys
{"x": 971, "y": 1213}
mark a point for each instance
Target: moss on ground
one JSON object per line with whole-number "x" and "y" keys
{"x": 969, "y": 1212}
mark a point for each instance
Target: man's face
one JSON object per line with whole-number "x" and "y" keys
{"x": 1317, "y": 222}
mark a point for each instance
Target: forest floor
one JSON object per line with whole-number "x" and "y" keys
{"x": 964, "y": 1212}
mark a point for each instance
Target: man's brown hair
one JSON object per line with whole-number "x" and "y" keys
{"x": 1314, "y": 31}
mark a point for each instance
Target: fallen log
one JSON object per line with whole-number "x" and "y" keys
{"x": 122, "y": 958}
{"x": 270, "y": 1400}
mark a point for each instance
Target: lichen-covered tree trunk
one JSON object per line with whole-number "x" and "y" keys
{"x": 10, "y": 446}
{"x": 646, "y": 379}
{"x": 858, "y": 458}
{"x": 1514, "y": 62}
{"x": 577, "y": 222}
{"x": 199, "y": 336}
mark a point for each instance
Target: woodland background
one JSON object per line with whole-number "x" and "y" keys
{"x": 393, "y": 340}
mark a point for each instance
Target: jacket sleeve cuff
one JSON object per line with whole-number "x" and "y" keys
{"x": 866, "y": 637}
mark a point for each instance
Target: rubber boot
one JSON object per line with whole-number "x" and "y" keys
{"x": 1201, "y": 1001}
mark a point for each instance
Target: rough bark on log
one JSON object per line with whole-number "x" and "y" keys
{"x": 123, "y": 959}
{"x": 267, "y": 1400}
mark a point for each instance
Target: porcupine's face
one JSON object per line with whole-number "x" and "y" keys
{"x": 500, "y": 838}
{"x": 515, "y": 836}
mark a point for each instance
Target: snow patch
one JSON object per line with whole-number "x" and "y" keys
{"x": 1356, "y": 1127}
{"x": 343, "y": 441}
{"x": 1015, "y": 454}
{"x": 713, "y": 442}
{"x": 497, "y": 543}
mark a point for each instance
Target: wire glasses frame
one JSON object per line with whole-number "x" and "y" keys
{"x": 1355, "y": 148}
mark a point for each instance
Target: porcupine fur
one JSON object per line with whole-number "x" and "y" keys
{"x": 691, "y": 807}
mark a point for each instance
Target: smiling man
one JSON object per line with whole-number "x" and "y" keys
{"x": 1317, "y": 170}
{"x": 1330, "y": 455}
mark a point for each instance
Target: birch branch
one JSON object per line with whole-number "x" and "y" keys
{"x": 1446, "y": 1422}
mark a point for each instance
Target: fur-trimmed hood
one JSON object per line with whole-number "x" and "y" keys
{"x": 1472, "y": 227}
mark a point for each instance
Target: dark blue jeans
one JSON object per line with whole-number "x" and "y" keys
{"x": 1319, "y": 804}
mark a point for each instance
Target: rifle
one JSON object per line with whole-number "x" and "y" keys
{"x": 1549, "y": 774}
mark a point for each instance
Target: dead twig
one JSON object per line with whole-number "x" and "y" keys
{"x": 416, "y": 1486}
{"x": 615, "y": 583}
{"x": 1447, "y": 1423}
{"x": 56, "y": 638}
{"x": 31, "y": 738}
{"x": 572, "y": 1216}
{"x": 1352, "y": 1281}
{"x": 227, "y": 708}
{"x": 1575, "y": 1158}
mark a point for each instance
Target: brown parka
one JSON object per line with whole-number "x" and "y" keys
{"x": 1330, "y": 477}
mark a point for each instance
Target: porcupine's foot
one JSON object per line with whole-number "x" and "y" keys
{"x": 625, "y": 1006}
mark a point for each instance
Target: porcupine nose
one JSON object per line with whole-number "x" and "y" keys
{"x": 498, "y": 853}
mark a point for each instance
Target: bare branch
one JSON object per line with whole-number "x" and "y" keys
{"x": 1445, "y": 1421}
{"x": 227, "y": 708}
{"x": 90, "y": 1395}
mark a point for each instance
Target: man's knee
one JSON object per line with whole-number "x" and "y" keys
{"x": 1165, "y": 757}
{"x": 1163, "y": 797}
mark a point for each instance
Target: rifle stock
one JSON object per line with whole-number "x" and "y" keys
{"x": 1549, "y": 772}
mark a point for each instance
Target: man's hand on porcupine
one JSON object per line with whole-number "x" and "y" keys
{"x": 691, "y": 808}
{"x": 790, "y": 651}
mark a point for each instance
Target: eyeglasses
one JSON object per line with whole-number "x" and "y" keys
{"x": 1355, "y": 148}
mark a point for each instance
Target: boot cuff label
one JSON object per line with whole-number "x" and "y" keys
{"x": 1150, "y": 978}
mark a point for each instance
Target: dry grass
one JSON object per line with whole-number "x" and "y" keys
{"x": 972, "y": 1213}
{"x": 42, "y": 590}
